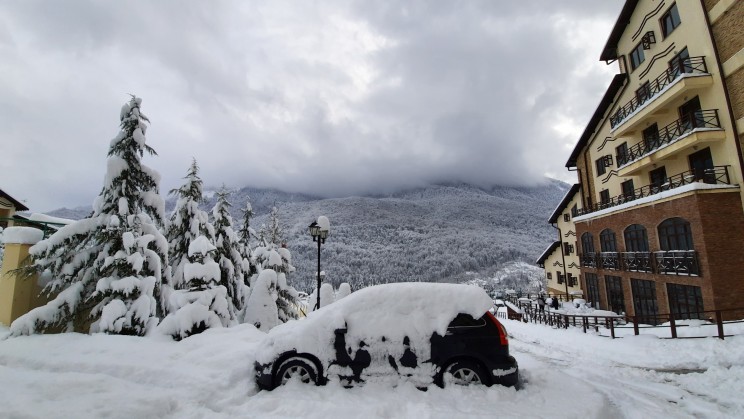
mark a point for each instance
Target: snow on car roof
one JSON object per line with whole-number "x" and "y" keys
{"x": 394, "y": 311}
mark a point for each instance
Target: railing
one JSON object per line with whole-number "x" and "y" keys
{"x": 637, "y": 261}
{"x": 677, "y": 262}
{"x": 47, "y": 227}
{"x": 714, "y": 175}
{"x": 700, "y": 119}
{"x": 609, "y": 260}
{"x": 690, "y": 325}
{"x": 685, "y": 66}
{"x": 666, "y": 262}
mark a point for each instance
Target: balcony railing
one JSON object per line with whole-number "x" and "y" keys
{"x": 714, "y": 175}
{"x": 609, "y": 260}
{"x": 637, "y": 261}
{"x": 685, "y": 66}
{"x": 669, "y": 262}
{"x": 700, "y": 119}
{"x": 677, "y": 262}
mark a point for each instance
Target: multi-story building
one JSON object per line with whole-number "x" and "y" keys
{"x": 8, "y": 208}
{"x": 561, "y": 260}
{"x": 660, "y": 222}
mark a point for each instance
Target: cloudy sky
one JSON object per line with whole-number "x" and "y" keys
{"x": 329, "y": 97}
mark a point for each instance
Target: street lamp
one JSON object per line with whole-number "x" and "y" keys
{"x": 319, "y": 231}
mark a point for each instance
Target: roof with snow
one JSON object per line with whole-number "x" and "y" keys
{"x": 564, "y": 202}
{"x": 18, "y": 205}
{"x": 541, "y": 260}
{"x": 599, "y": 115}
{"x": 609, "y": 52}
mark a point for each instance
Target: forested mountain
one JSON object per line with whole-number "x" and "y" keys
{"x": 454, "y": 232}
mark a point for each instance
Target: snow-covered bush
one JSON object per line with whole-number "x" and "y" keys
{"x": 261, "y": 309}
{"x": 343, "y": 290}
{"x": 106, "y": 270}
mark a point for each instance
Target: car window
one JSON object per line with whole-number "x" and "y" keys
{"x": 464, "y": 320}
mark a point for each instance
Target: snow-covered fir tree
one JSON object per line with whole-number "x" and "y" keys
{"x": 200, "y": 302}
{"x": 106, "y": 270}
{"x": 274, "y": 233}
{"x": 228, "y": 254}
{"x": 187, "y": 223}
{"x": 279, "y": 261}
{"x": 245, "y": 235}
{"x": 261, "y": 309}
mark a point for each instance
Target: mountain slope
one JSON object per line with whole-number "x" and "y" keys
{"x": 436, "y": 233}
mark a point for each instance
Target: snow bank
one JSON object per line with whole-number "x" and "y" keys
{"x": 22, "y": 235}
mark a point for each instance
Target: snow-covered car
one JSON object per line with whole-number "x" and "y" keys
{"x": 419, "y": 332}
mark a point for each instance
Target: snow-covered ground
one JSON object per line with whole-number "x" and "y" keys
{"x": 567, "y": 374}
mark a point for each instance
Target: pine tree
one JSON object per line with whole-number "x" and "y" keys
{"x": 228, "y": 254}
{"x": 279, "y": 261}
{"x": 107, "y": 269}
{"x": 200, "y": 302}
{"x": 275, "y": 233}
{"x": 187, "y": 223}
{"x": 245, "y": 234}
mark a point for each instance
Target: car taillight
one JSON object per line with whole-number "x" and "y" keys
{"x": 502, "y": 330}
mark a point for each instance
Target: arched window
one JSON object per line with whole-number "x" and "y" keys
{"x": 587, "y": 243}
{"x": 636, "y": 239}
{"x": 607, "y": 241}
{"x": 675, "y": 234}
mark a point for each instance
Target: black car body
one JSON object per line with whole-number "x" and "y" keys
{"x": 384, "y": 334}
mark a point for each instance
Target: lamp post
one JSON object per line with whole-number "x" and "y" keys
{"x": 319, "y": 231}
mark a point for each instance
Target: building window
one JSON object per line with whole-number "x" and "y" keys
{"x": 636, "y": 238}
{"x": 587, "y": 243}
{"x": 574, "y": 210}
{"x": 644, "y": 301}
{"x": 615, "y": 296}
{"x": 603, "y": 163}
{"x": 566, "y": 217}
{"x": 604, "y": 197}
{"x": 670, "y": 20}
{"x": 592, "y": 289}
{"x": 643, "y": 93}
{"x": 636, "y": 56}
{"x": 550, "y": 276}
{"x": 607, "y": 241}
{"x": 680, "y": 64}
{"x": 628, "y": 189}
{"x": 658, "y": 179}
{"x": 675, "y": 234}
{"x": 571, "y": 280}
{"x": 621, "y": 153}
{"x": 685, "y": 301}
{"x": 567, "y": 249}
{"x": 559, "y": 275}
{"x": 651, "y": 138}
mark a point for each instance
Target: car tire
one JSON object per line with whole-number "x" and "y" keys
{"x": 296, "y": 368}
{"x": 464, "y": 372}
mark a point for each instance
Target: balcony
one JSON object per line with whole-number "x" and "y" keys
{"x": 717, "y": 175}
{"x": 702, "y": 121}
{"x": 687, "y": 74}
{"x": 665, "y": 262}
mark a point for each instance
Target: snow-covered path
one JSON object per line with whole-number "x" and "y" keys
{"x": 567, "y": 374}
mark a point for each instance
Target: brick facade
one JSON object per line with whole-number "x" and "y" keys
{"x": 717, "y": 224}
{"x": 729, "y": 32}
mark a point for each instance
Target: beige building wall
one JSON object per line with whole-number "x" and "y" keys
{"x": 663, "y": 109}
{"x": 18, "y": 295}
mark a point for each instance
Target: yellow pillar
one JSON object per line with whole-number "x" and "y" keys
{"x": 18, "y": 295}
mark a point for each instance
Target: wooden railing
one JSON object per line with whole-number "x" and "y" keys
{"x": 714, "y": 175}
{"x": 616, "y": 325}
{"x": 667, "y": 262}
{"x": 684, "y": 66}
{"x": 707, "y": 118}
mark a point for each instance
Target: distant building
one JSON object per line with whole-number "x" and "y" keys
{"x": 659, "y": 221}
{"x": 8, "y": 207}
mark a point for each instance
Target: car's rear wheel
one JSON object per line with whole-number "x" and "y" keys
{"x": 464, "y": 373}
{"x": 296, "y": 368}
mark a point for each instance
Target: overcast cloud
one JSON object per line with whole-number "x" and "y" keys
{"x": 330, "y": 98}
